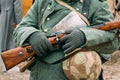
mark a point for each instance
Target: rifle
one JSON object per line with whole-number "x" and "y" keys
{"x": 17, "y": 55}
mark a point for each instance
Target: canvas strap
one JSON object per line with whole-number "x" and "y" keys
{"x": 72, "y": 9}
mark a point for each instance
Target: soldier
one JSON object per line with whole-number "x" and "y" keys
{"x": 10, "y": 16}
{"x": 44, "y": 19}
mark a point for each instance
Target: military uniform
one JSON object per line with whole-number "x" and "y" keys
{"x": 10, "y": 15}
{"x": 98, "y": 13}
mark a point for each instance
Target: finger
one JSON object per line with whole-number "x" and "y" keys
{"x": 49, "y": 46}
{"x": 65, "y": 46}
{"x": 41, "y": 50}
{"x": 64, "y": 38}
{"x": 68, "y": 50}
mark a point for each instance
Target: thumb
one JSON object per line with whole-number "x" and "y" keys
{"x": 68, "y": 31}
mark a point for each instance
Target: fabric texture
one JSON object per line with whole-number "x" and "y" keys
{"x": 74, "y": 39}
{"x": 99, "y": 13}
{"x": 85, "y": 65}
{"x": 40, "y": 44}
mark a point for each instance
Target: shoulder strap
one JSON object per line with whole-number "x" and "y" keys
{"x": 72, "y": 9}
{"x": 85, "y": 8}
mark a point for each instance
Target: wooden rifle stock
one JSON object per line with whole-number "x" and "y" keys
{"x": 109, "y": 26}
{"x": 17, "y": 55}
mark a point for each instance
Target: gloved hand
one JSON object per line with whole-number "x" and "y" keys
{"x": 74, "y": 39}
{"x": 40, "y": 44}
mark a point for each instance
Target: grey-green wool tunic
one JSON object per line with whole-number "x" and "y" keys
{"x": 98, "y": 13}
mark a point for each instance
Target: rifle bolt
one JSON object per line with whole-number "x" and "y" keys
{"x": 20, "y": 53}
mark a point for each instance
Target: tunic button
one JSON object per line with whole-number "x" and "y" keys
{"x": 48, "y": 8}
{"x": 45, "y": 30}
{"x": 84, "y": 13}
{"x": 81, "y": 1}
{"x": 48, "y": 19}
{"x": 77, "y": 9}
{"x": 42, "y": 9}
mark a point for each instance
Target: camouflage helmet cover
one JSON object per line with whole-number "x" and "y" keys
{"x": 83, "y": 66}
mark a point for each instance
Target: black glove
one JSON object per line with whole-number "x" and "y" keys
{"x": 74, "y": 39}
{"x": 40, "y": 44}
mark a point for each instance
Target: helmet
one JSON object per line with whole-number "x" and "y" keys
{"x": 83, "y": 66}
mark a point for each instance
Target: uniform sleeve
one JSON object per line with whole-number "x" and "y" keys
{"x": 102, "y": 13}
{"x": 27, "y": 26}
{"x": 94, "y": 36}
{"x": 18, "y": 10}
